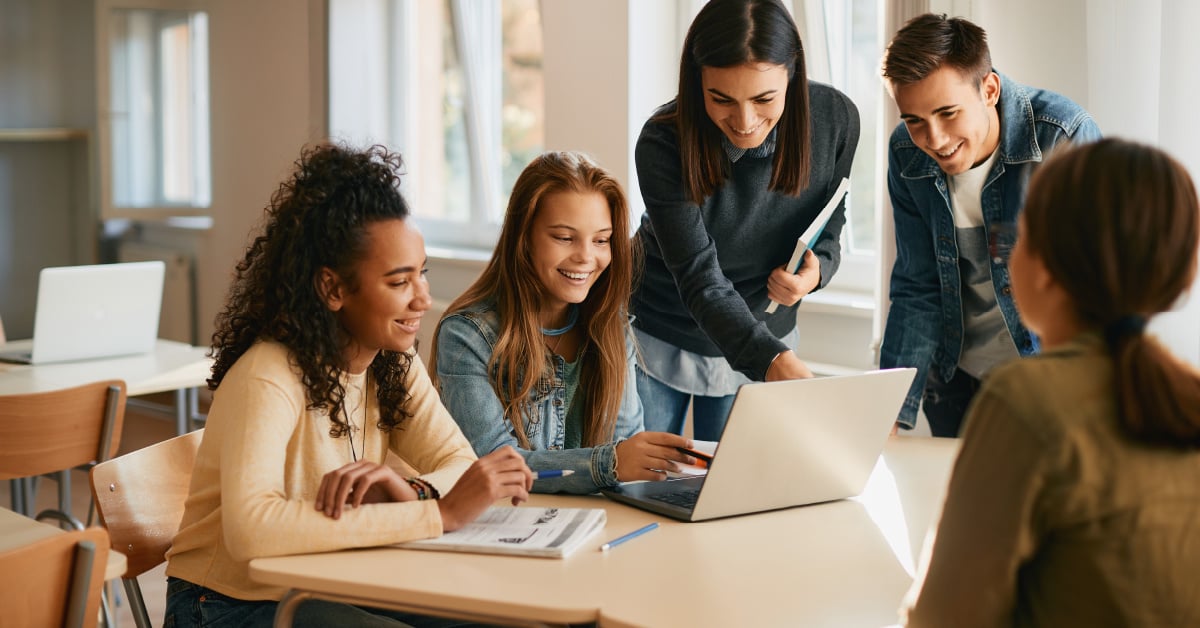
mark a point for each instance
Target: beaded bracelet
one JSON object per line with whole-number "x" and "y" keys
{"x": 424, "y": 489}
{"x": 419, "y": 487}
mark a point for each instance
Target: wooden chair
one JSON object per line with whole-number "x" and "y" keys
{"x": 54, "y": 581}
{"x": 140, "y": 497}
{"x": 56, "y": 431}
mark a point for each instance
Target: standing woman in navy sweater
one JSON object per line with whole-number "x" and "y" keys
{"x": 732, "y": 171}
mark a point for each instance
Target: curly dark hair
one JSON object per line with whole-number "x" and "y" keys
{"x": 316, "y": 219}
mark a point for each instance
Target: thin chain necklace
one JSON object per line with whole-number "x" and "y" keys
{"x": 557, "y": 334}
{"x": 358, "y": 398}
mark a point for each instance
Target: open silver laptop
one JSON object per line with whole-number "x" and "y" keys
{"x": 97, "y": 311}
{"x": 787, "y": 443}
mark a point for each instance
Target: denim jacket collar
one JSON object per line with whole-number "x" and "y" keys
{"x": 1018, "y": 142}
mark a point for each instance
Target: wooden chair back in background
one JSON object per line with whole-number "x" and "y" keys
{"x": 56, "y": 431}
{"x": 140, "y": 497}
{"x": 54, "y": 581}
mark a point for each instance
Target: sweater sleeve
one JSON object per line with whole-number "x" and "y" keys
{"x": 263, "y": 406}
{"x": 432, "y": 442}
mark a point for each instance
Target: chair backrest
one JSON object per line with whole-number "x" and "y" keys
{"x": 52, "y": 431}
{"x": 54, "y": 581}
{"x": 140, "y": 498}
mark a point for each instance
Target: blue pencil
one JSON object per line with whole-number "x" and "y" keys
{"x": 632, "y": 535}
{"x": 556, "y": 473}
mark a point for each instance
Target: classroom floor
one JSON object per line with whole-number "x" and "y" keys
{"x": 142, "y": 427}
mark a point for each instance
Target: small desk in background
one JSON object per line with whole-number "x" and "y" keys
{"x": 843, "y": 563}
{"x": 171, "y": 366}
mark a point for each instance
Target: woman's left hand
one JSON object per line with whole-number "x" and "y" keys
{"x": 358, "y": 483}
{"x": 787, "y": 288}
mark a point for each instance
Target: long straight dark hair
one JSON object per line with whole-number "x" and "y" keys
{"x": 729, "y": 33}
{"x": 1130, "y": 253}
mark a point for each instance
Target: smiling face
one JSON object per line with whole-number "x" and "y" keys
{"x": 745, "y": 101}
{"x": 383, "y": 310}
{"x": 570, "y": 248}
{"x": 951, "y": 119}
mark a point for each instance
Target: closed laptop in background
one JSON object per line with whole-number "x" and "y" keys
{"x": 96, "y": 311}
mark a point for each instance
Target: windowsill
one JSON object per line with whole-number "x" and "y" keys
{"x": 840, "y": 303}
{"x": 458, "y": 256}
{"x": 831, "y": 301}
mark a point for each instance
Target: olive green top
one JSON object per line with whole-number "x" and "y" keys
{"x": 1055, "y": 517}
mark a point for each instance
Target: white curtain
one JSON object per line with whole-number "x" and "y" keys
{"x": 896, "y": 14}
{"x": 1142, "y": 58}
{"x": 477, "y": 37}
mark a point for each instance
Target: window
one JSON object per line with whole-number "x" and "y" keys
{"x": 466, "y": 112}
{"x": 155, "y": 121}
{"x": 853, "y": 45}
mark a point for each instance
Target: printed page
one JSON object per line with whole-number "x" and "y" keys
{"x": 523, "y": 530}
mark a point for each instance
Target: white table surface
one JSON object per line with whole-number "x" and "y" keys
{"x": 844, "y": 563}
{"x": 170, "y": 366}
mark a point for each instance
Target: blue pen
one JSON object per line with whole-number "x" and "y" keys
{"x": 632, "y": 535}
{"x": 556, "y": 473}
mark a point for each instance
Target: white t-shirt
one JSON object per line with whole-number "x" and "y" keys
{"x": 986, "y": 339}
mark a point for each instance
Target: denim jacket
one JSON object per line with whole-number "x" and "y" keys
{"x": 925, "y": 323}
{"x": 464, "y": 348}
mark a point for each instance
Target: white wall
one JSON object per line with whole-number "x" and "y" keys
{"x": 1132, "y": 64}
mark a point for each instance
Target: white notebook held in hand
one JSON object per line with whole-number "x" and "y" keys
{"x": 522, "y": 531}
{"x": 810, "y": 235}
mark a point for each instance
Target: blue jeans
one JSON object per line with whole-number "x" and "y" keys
{"x": 190, "y": 605}
{"x": 665, "y": 409}
{"x": 946, "y": 403}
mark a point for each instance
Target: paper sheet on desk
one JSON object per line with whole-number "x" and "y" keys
{"x": 521, "y": 530}
{"x": 690, "y": 470}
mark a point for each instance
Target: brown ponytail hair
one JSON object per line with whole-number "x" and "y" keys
{"x": 1117, "y": 224}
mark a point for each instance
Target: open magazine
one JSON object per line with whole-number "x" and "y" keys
{"x": 521, "y": 530}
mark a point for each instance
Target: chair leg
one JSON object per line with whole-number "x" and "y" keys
{"x": 64, "y": 490}
{"x": 137, "y": 605}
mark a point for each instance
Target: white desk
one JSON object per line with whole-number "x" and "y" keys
{"x": 172, "y": 366}
{"x": 845, "y": 563}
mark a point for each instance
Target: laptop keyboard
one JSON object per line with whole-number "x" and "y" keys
{"x": 684, "y": 497}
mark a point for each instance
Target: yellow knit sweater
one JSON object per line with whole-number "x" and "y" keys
{"x": 262, "y": 459}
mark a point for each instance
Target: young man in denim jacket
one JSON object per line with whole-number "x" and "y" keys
{"x": 958, "y": 166}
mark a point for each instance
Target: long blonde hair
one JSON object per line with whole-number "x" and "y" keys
{"x": 511, "y": 283}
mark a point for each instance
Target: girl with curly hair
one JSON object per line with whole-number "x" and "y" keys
{"x": 315, "y": 382}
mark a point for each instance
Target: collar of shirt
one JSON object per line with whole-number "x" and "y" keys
{"x": 766, "y": 149}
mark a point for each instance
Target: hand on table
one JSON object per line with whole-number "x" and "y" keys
{"x": 502, "y": 473}
{"x": 358, "y": 483}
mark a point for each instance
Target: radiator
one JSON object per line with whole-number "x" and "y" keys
{"x": 177, "y": 320}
